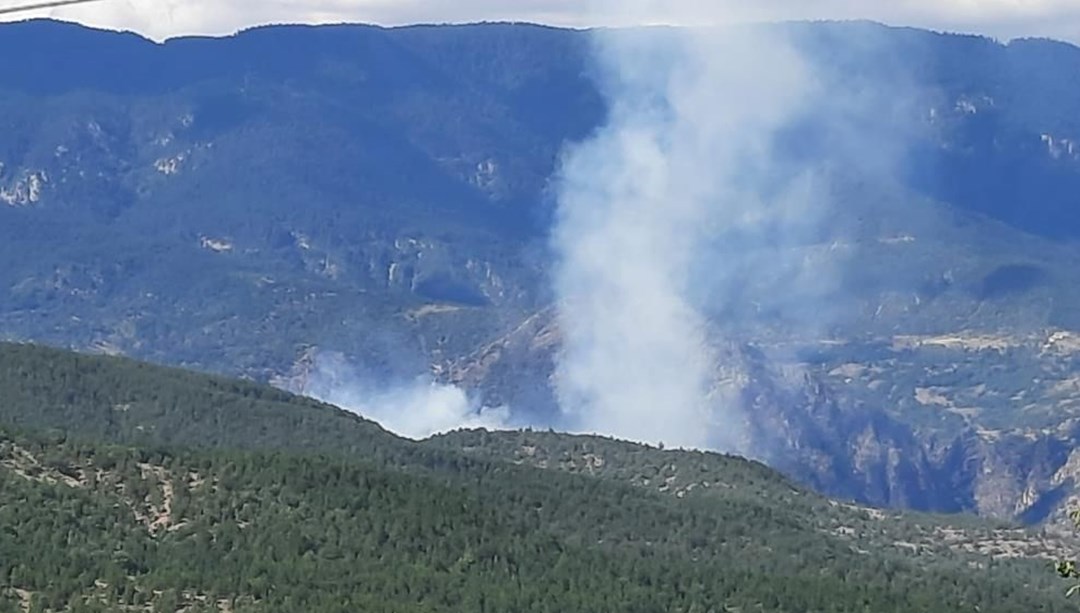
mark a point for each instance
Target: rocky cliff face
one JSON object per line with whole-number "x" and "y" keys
{"x": 817, "y": 423}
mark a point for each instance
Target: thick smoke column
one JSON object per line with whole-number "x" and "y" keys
{"x": 685, "y": 156}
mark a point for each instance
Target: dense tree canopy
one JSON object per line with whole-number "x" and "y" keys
{"x": 237, "y": 497}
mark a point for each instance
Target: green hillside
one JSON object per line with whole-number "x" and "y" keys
{"x": 121, "y": 400}
{"x": 228, "y": 496}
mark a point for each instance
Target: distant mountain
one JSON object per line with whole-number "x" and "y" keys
{"x": 243, "y": 205}
{"x": 239, "y": 497}
{"x": 318, "y": 182}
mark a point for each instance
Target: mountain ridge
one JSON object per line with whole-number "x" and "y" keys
{"x": 384, "y": 194}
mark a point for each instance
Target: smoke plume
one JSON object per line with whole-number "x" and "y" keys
{"x": 414, "y": 409}
{"x": 686, "y": 163}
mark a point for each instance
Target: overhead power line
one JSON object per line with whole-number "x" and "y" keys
{"x": 41, "y": 5}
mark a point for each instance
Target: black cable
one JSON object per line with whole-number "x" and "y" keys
{"x": 42, "y": 5}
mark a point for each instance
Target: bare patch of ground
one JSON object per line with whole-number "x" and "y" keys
{"x": 431, "y": 309}
{"x": 965, "y": 341}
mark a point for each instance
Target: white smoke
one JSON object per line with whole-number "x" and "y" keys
{"x": 685, "y": 156}
{"x": 414, "y": 409}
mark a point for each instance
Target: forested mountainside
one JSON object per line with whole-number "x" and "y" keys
{"x": 130, "y": 486}
{"x": 324, "y": 182}
{"x": 243, "y": 205}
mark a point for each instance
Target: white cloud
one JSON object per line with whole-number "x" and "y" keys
{"x": 164, "y": 18}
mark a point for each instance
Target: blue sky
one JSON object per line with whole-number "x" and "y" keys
{"x": 165, "y": 18}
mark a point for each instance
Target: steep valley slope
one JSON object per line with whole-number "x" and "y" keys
{"x": 244, "y": 205}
